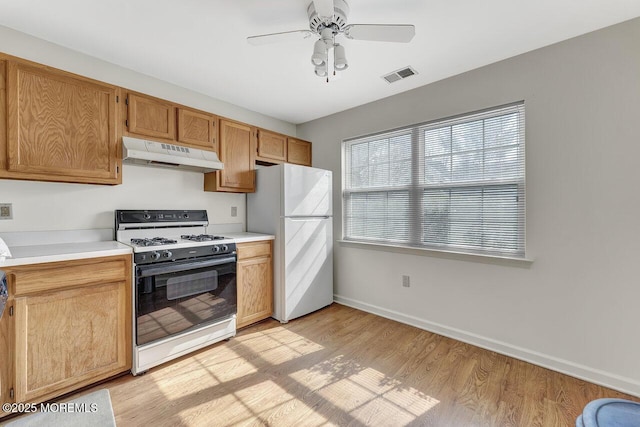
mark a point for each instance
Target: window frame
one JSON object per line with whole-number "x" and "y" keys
{"x": 418, "y": 184}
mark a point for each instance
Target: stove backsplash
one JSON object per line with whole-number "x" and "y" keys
{"x": 84, "y": 206}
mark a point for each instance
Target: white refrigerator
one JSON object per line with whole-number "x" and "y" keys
{"x": 294, "y": 203}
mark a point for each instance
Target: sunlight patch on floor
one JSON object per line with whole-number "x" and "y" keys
{"x": 279, "y": 334}
{"x": 267, "y": 397}
{"x": 185, "y": 381}
{"x": 225, "y": 365}
{"x": 232, "y": 369}
{"x": 264, "y": 403}
{"x": 280, "y": 347}
{"x": 340, "y": 384}
{"x": 365, "y": 393}
{"x": 290, "y": 351}
{"x": 222, "y": 354}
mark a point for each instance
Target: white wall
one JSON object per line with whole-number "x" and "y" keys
{"x": 576, "y": 308}
{"x": 41, "y": 206}
{"x": 81, "y": 206}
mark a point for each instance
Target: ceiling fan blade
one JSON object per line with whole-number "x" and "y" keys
{"x": 324, "y": 8}
{"x": 381, "y": 33}
{"x": 286, "y": 36}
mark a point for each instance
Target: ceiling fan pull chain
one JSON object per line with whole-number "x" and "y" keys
{"x": 334, "y": 54}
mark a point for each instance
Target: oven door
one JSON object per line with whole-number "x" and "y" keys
{"x": 175, "y": 296}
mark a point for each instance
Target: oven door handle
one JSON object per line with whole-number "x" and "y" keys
{"x": 153, "y": 270}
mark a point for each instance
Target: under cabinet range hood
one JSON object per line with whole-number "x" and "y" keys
{"x": 161, "y": 154}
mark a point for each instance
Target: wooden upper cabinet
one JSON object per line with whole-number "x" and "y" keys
{"x": 59, "y": 127}
{"x": 237, "y": 148}
{"x": 298, "y": 152}
{"x": 154, "y": 118}
{"x": 271, "y": 146}
{"x": 198, "y": 129}
{"x": 147, "y": 116}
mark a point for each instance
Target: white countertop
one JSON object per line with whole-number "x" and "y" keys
{"x": 59, "y": 248}
{"x": 37, "y": 254}
{"x": 244, "y": 237}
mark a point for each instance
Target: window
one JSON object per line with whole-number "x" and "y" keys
{"x": 454, "y": 185}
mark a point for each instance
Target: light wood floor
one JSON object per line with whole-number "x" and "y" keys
{"x": 341, "y": 366}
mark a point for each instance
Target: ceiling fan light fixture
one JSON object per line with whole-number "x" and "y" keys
{"x": 319, "y": 56}
{"x": 340, "y": 58}
{"x": 321, "y": 70}
{"x": 328, "y": 20}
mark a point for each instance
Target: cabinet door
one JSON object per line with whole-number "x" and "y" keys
{"x": 298, "y": 152}
{"x": 148, "y": 116}
{"x": 197, "y": 129}
{"x": 59, "y": 127}
{"x": 237, "y": 153}
{"x": 255, "y": 289}
{"x": 271, "y": 146}
{"x": 69, "y": 338}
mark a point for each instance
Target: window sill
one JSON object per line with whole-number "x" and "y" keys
{"x": 463, "y": 256}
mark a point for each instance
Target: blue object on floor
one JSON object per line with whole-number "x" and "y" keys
{"x": 610, "y": 413}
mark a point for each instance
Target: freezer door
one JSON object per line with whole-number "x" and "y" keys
{"x": 308, "y": 267}
{"x": 307, "y": 191}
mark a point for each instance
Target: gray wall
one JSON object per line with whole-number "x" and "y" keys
{"x": 81, "y": 206}
{"x": 576, "y": 307}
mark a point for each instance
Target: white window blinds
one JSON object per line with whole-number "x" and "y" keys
{"x": 455, "y": 184}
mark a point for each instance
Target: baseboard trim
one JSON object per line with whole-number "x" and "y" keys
{"x": 567, "y": 367}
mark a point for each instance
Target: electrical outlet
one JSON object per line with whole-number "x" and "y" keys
{"x": 234, "y": 211}
{"x": 6, "y": 212}
{"x": 406, "y": 281}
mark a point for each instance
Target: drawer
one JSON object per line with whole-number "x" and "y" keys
{"x": 254, "y": 249}
{"x": 69, "y": 274}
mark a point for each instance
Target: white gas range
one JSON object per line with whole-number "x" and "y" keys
{"x": 184, "y": 295}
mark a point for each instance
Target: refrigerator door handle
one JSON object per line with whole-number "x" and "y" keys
{"x": 308, "y": 218}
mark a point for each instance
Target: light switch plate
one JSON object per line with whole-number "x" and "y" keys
{"x": 6, "y": 211}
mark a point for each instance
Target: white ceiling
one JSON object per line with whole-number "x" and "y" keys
{"x": 201, "y": 44}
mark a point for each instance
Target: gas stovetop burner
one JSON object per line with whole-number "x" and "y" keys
{"x": 154, "y": 241}
{"x": 200, "y": 237}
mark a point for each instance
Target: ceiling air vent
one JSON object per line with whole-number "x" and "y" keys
{"x": 400, "y": 74}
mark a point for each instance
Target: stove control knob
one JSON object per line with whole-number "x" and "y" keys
{"x": 154, "y": 256}
{"x": 167, "y": 254}
{"x": 225, "y": 248}
{"x": 185, "y": 216}
{"x": 147, "y": 216}
{"x": 216, "y": 249}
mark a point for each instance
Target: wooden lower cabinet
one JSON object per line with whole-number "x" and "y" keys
{"x": 255, "y": 282}
{"x": 68, "y": 326}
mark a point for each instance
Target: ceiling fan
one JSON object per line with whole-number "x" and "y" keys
{"x": 328, "y": 19}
